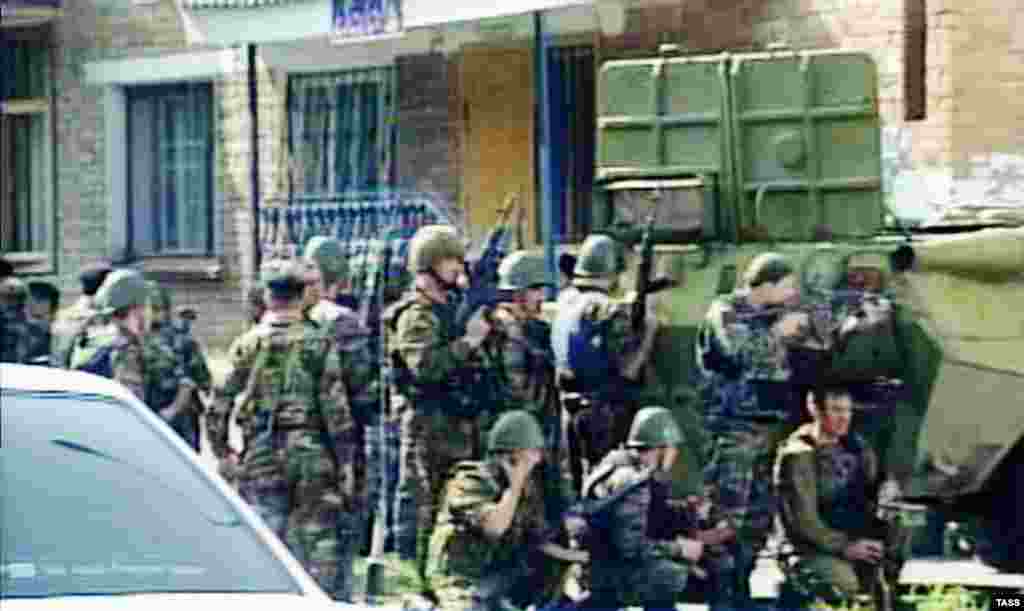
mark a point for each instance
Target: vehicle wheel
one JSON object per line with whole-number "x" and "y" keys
{"x": 1001, "y": 540}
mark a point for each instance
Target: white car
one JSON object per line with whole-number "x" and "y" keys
{"x": 103, "y": 507}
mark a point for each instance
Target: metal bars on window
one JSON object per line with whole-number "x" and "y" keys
{"x": 342, "y": 132}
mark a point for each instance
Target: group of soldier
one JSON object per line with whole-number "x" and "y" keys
{"x": 525, "y": 451}
{"x": 121, "y": 326}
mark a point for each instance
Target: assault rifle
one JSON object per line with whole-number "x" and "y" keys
{"x": 483, "y": 272}
{"x": 643, "y": 276}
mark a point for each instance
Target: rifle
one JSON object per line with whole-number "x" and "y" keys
{"x": 643, "y": 276}
{"x": 374, "y": 307}
{"x": 483, "y": 273}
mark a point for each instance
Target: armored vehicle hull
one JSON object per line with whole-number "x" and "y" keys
{"x": 741, "y": 154}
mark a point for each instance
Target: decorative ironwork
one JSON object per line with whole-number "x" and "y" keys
{"x": 358, "y": 220}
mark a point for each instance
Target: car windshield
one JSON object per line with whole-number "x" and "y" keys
{"x": 93, "y": 500}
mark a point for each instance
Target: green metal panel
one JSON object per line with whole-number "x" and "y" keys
{"x": 662, "y": 117}
{"x": 807, "y": 142}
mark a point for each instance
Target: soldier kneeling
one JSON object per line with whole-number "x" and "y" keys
{"x": 827, "y": 481}
{"x": 492, "y": 547}
{"x": 637, "y": 554}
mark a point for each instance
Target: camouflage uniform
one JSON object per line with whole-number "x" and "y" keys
{"x": 633, "y": 559}
{"x": 127, "y": 360}
{"x": 437, "y": 424}
{"x": 297, "y": 426}
{"x": 173, "y": 356}
{"x": 828, "y": 496}
{"x": 113, "y": 350}
{"x": 748, "y": 401}
{"x": 17, "y": 336}
{"x": 469, "y": 569}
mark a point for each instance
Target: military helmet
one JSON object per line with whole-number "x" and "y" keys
{"x": 432, "y": 244}
{"x": 328, "y": 256}
{"x": 515, "y": 430}
{"x": 522, "y": 270}
{"x": 599, "y": 256}
{"x": 123, "y": 288}
{"x": 654, "y": 427}
{"x": 767, "y": 267}
{"x": 159, "y": 295}
{"x": 283, "y": 277}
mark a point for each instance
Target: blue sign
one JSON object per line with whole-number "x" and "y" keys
{"x": 367, "y": 18}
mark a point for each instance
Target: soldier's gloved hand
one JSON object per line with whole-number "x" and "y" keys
{"x": 477, "y": 328}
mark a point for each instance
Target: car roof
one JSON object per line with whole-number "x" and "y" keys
{"x": 36, "y": 378}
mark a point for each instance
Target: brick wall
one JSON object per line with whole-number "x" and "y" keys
{"x": 425, "y": 159}
{"x": 86, "y": 34}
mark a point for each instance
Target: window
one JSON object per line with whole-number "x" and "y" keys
{"x": 342, "y": 134}
{"x": 26, "y": 143}
{"x": 170, "y": 170}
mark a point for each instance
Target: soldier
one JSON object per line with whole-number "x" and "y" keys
{"x": 436, "y": 416}
{"x": 521, "y": 345}
{"x": 359, "y": 362}
{"x": 72, "y": 320}
{"x": 17, "y": 337}
{"x": 828, "y": 483}
{"x": 750, "y": 396}
{"x": 116, "y": 352}
{"x": 326, "y": 265}
{"x": 638, "y": 554}
{"x": 493, "y": 541}
{"x": 600, "y": 359}
{"x": 286, "y": 383}
{"x": 175, "y": 367}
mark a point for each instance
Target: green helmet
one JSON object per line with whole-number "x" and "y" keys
{"x": 284, "y": 278}
{"x": 522, "y": 270}
{"x": 515, "y": 430}
{"x": 328, "y": 256}
{"x": 159, "y": 295}
{"x": 600, "y": 256}
{"x": 654, "y": 427}
{"x": 123, "y": 288}
{"x": 432, "y": 244}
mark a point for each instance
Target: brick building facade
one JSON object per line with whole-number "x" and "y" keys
{"x": 463, "y": 115}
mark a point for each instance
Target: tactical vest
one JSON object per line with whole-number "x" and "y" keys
{"x": 287, "y": 367}
{"x": 465, "y": 394}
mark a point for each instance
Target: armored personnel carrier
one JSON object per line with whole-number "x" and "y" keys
{"x": 736, "y": 154}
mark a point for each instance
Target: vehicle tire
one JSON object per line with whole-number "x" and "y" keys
{"x": 1001, "y": 540}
